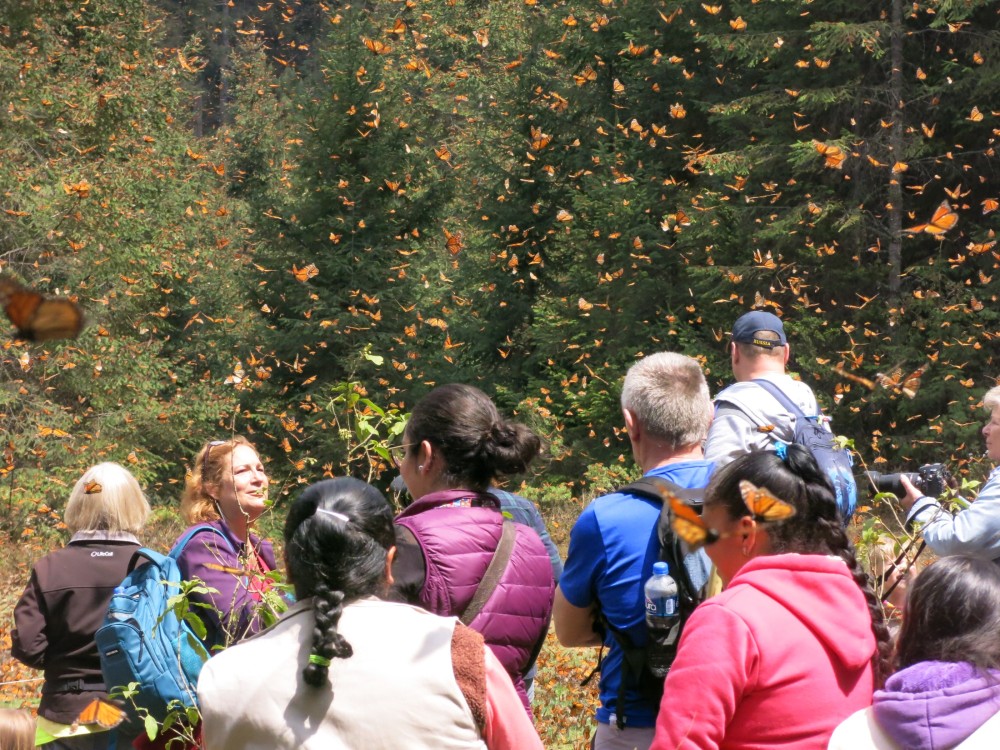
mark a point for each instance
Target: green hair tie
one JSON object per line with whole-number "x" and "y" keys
{"x": 318, "y": 660}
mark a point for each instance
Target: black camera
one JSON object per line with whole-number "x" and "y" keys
{"x": 930, "y": 479}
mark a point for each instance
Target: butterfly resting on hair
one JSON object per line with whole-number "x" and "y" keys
{"x": 763, "y": 508}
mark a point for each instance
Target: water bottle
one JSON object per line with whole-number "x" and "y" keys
{"x": 662, "y": 619}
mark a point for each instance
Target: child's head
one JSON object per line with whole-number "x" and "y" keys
{"x": 17, "y": 729}
{"x": 952, "y": 613}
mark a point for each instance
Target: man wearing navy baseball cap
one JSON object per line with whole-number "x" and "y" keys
{"x": 747, "y": 416}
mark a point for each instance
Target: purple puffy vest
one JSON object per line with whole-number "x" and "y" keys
{"x": 458, "y": 542}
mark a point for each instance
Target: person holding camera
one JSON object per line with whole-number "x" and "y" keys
{"x": 974, "y": 531}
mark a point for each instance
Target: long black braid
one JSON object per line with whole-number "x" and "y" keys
{"x": 337, "y": 536}
{"x": 816, "y": 528}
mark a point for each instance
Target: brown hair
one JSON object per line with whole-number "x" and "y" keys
{"x": 210, "y": 467}
{"x": 952, "y": 613}
{"x": 17, "y": 729}
{"x": 476, "y": 442}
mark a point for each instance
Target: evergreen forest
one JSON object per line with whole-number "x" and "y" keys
{"x": 289, "y": 219}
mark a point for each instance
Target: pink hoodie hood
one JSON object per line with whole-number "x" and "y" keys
{"x": 816, "y": 589}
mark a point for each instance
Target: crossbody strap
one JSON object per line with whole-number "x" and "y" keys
{"x": 781, "y": 398}
{"x": 493, "y": 573}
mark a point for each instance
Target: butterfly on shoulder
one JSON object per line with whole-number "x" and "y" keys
{"x": 763, "y": 507}
{"x": 37, "y": 317}
{"x": 102, "y": 712}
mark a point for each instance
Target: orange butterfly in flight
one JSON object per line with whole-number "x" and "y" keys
{"x": 39, "y": 318}
{"x": 375, "y": 46}
{"x": 763, "y": 507}
{"x": 101, "y": 712}
{"x": 893, "y": 381}
{"x": 907, "y": 386}
{"x": 306, "y": 273}
{"x": 942, "y": 220}
{"x": 834, "y": 155}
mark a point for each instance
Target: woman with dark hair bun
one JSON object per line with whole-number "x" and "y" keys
{"x": 797, "y": 641}
{"x": 376, "y": 674}
{"x": 457, "y": 555}
{"x": 946, "y": 693}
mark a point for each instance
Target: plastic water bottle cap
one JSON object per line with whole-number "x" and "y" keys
{"x": 661, "y": 569}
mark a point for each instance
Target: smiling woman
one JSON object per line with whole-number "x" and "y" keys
{"x": 226, "y": 492}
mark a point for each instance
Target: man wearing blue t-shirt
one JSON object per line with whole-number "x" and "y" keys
{"x": 613, "y": 545}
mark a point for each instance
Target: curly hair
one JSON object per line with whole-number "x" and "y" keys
{"x": 210, "y": 467}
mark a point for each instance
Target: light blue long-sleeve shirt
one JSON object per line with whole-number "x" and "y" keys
{"x": 974, "y": 531}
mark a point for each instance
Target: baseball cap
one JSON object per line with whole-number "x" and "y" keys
{"x": 758, "y": 320}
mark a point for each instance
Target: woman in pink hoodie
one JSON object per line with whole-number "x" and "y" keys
{"x": 796, "y": 642}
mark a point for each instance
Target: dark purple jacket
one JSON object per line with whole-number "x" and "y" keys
{"x": 234, "y": 611}
{"x": 458, "y": 532}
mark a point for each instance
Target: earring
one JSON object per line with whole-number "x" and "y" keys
{"x": 420, "y": 468}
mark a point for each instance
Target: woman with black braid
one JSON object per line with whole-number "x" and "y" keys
{"x": 796, "y": 642}
{"x": 377, "y": 674}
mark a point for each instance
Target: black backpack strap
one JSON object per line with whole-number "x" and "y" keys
{"x": 493, "y": 573}
{"x": 634, "y": 672}
{"x": 633, "y": 665}
{"x": 670, "y": 549}
{"x": 653, "y": 487}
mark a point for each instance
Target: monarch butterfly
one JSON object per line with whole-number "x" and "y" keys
{"x": 39, "y": 318}
{"x": 689, "y": 526}
{"x": 834, "y": 155}
{"x": 93, "y": 488}
{"x": 375, "y": 46}
{"x": 942, "y": 220}
{"x": 305, "y": 273}
{"x": 856, "y": 378}
{"x": 907, "y": 386}
{"x": 101, "y": 712}
{"x": 763, "y": 507}
{"x": 454, "y": 242}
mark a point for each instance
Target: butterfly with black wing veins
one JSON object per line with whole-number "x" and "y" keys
{"x": 764, "y": 508}
{"x": 37, "y": 317}
{"x": 102, "y": 712}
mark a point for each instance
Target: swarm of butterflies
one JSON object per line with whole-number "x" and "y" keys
{"x": 36, "y": 316}
{"x": 763, "y": 506}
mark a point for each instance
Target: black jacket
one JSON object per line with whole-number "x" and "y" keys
{"x": 55, "y": 620}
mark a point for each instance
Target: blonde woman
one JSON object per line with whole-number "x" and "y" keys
{"x": 67, "y": 596}
{"x": 226, "y": 492}
{"x": 17, "y": 729}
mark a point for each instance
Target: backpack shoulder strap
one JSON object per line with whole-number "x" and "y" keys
{"x": 780, "y": 397}
{"x": 493, "y": 573}
{"x": 144, "y": 553}
{"x": 183, "y": 541}
{"x": 653, "y": 487}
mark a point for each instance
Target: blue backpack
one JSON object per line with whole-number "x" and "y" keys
{"x": 834, "y": 461}
{"x": 143, "y": 641}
